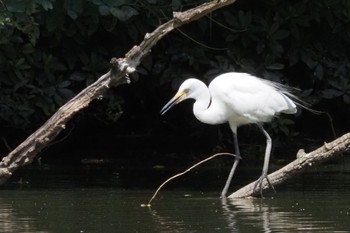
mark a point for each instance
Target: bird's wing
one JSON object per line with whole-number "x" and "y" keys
{"x": 249, "y": 98}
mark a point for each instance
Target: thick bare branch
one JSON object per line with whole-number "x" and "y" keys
{"x": 303, "y": 161}
{"x": 28, "y": 149}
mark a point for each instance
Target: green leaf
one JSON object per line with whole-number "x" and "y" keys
{"x": 97, "y": 2}
{"x": 55, "y": 19}
{"x": 28, "y": 48}
{"x": 286, "y": 121}
{"x": 346, "y": 99}
{"x": 276, "y": 48}
{"x": 274, "y": 28}
{"x": 307, "y": 59}
{"x": 104, "y": 10}
{"x": 147, "y": 62}
{"x": 66, "y": 93}
{"x": 133, "y": 32}
{"x": 74, "y": 8}
{"x": 285, "y": 130}
{"x": 65, "y": 83}
{"x": 46, "y": 4}
{"x": 280, "y": 35}
{"x": 77, "y": 76}
{"x": 20, "y": 6}
{"x": 58, "y": 99}
{"x": 34, "y": 36}
{"x": 260, "y": 48}
{"x": 231, "y": 19}
{"x": 124, "y": 13}
{"x": 331, "y": 93}
{"x": 176, "y": 4}
{"x": 243, "y": 20}
{"x": 319, "y": 71}
{"x": 276, "y": 66}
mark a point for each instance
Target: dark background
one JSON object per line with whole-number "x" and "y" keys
{"x": 51, "y": 50}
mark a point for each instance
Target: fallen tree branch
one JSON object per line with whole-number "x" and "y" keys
{"x": 28, "y": 149}
{"x": 303, "y": 161}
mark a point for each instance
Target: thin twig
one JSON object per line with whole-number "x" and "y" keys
{"x": 182, "y": 173}
{"x": 194, "y": 40}
{"x": 5, "y": 141}
{"x": 226, "y": 27}
{"x": 331, "y": 124}
{"x": 199, "y": 43}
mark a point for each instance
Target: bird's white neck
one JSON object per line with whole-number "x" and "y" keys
{"x": 202, "y": 108}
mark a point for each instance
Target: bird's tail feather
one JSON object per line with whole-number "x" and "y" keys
{"x": 287, "y": 91}
{"x": 300, "y": 103}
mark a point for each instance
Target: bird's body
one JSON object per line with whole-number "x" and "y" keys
{"x": 239, "y": 99}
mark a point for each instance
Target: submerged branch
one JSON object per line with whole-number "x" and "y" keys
{"x": 304, "y": 160}
{"x": 183, "y": 173}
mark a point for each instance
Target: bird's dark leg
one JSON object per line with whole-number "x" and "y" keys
{"x": 266, "y": 162}
{"x": 237, "y": 158}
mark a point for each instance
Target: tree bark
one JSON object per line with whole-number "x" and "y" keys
{"x": 121, "y": 67}
{"x": 303, "y": 161}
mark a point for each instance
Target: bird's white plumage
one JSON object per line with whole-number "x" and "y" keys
{"x": 248, "y": 99}
{"x": 239, "y": 99}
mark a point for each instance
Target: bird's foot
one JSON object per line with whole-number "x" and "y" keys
{"x": 259, "y": 183}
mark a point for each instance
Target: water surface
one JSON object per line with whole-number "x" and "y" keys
{"x": 55, "y": 201}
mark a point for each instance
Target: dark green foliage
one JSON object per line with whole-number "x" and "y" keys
{"x": 52, "y": 49}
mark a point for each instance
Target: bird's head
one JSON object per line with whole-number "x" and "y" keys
{"x": 186, "y": 91}
{"x": 180, "y": 96}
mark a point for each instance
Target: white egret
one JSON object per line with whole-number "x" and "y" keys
{"x": 239, "y": 99}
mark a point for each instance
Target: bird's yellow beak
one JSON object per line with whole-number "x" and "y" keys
{"x": 180, "y": 96}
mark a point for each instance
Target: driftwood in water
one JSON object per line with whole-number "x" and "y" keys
{"x": 28, "y": 149}
{"x": 303, "y": 161}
